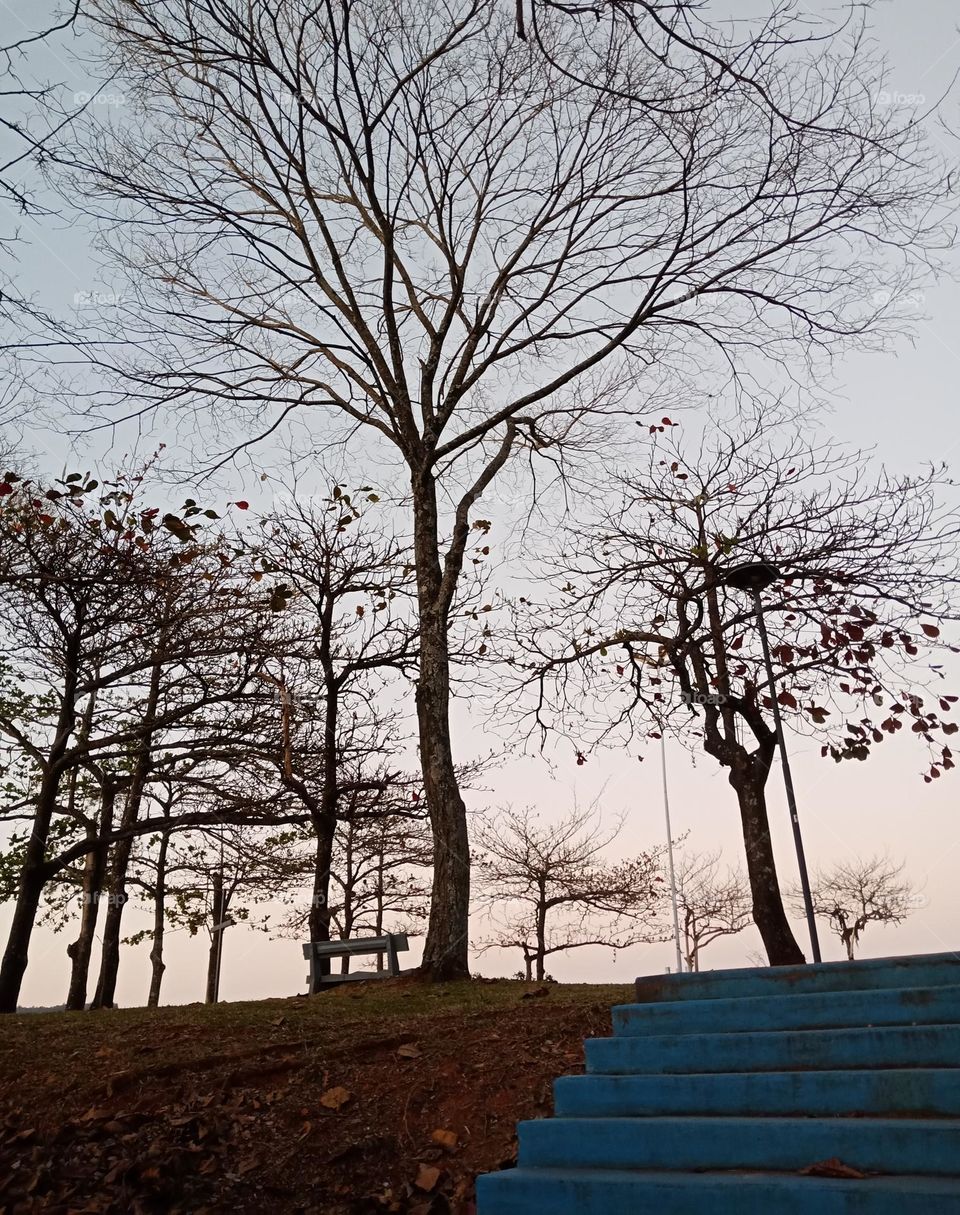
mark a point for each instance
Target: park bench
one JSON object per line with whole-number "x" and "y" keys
{"x": 319, "y": 954}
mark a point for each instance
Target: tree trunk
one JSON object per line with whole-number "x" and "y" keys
{"x": 33, "y": 876}
{"x": 748, "y": 775}
{"x": 319, "y": 920}
{"x": 378, "y": 922}
{"x": 157, "y": 965}
{"x": 216, "y": 940}
{"x": 541, "y": 933}
{"x": 95, "y": 864}
{"x": 768, "y": 913}
{"x": 117, "y": 896}
{"x": 346, "y": 920}
{"x": 325, "y": 814}
{"x": 445, "y": 949}
{"x": 110, "y": 953}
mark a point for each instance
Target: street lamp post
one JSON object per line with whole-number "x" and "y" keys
{"x": 673, "y": 875}
{"x": 755, "y": 577}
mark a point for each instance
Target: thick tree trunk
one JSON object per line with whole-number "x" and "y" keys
{"x": 216, "y": 940}
{"x": 445, "y": 950}
{"x": 325, "y": 813}
{"x": 117, "y": 897}
{"x": 748, "y": 775}
{"x": 157, "y": 964}
{"x": 320, "y": 904}
{"x": 95, "y": 864}
{"x": 768, "y": 913}
{"x": 33, "y": 876}
{"x": 541, "y": 934}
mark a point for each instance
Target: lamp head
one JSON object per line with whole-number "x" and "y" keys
{"x": 753, "y": 576}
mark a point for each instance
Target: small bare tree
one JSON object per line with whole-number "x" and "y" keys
{"x": 859, "y": 892}
{"x": 711, "y": 904}
{"x": 553, "y": 891}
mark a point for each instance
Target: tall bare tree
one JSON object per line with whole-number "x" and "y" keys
{"x": 644, "y": 632}
{"x": 405, "y": 224}
{"x": 856, "y": 893}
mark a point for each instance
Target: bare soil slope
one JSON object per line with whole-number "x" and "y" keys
{"x": 385, "y": 1096}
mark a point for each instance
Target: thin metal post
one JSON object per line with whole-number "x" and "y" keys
{"x": 673, "y": 876}
{"x": 788, "y": 782}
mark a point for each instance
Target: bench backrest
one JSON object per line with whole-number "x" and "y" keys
{"x": 358, "y": 945}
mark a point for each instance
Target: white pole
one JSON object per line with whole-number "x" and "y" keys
{"x": 673, "y": 875}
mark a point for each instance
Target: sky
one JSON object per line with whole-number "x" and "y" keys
{"x": 902, "y": 401}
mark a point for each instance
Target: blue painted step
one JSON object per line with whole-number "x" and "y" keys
{"x": 815, "y": 1010}
{"x": 718, "y": 1089}
{"x": 872, "y": 1145}
{"x": 607, "y": 1192}
{"x": 918, "y": 970}
{"x": 775, "y": 1051}
{"x": 921, "y": 1092}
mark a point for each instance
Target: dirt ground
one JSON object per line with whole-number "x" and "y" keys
{"x": 376, "y": 1097}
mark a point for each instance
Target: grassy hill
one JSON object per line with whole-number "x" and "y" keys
{"x": 376, "y": 1097}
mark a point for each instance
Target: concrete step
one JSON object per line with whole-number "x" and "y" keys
{"x": 873, "y": 1145}
{"x": 917, "y": 970}
{"x": 526, "y": 1191}
{"x": 777, "y": 1051}
{"x": 921, "y": 1092}
{"x": 813, "y": 1010}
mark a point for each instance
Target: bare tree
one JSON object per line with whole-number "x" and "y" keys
{"x": 33, "y": 116}
{"x": 551, "y": 890}
{"x": 402, "y": 222}
{"x": 378, "y": 874}
{"x": 711, "y": 904}
{"x": 349, "y": 631}
{"x": 870, "y": 566}
{"x": 23, "y": 101}
{"x": 128, "y": 639}
{"x": 855, "y": 893}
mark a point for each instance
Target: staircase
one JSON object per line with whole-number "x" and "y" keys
{"x": 718, "y": 1089}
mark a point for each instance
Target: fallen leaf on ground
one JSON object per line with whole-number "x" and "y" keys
{"x": 446, "y": 1139}
{"x": 832, "y": 1168}
{"x": 336, "y": 1097}
{"x": 427, "y": 1177}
